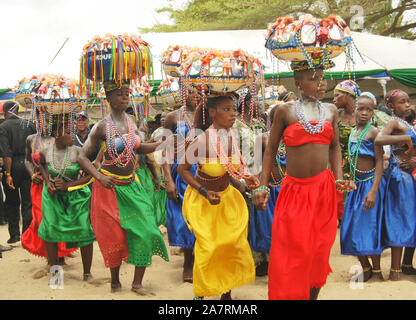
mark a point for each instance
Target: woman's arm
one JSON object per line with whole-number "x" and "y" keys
{"x": 272, "y": 145}
{"x": 89, "y": 146}
{"x": 167, "y": 155}
{"x": 36, "y": 179}
{"x": 335, "y": 154}
{"x": 386, "y": 137}
{"x": 184, "y": 170}
{"x": 61, "y": 184}
{"x": 371, "y": 197}
{"x": 261, "y": 196}
{"x": 28, "y": 155}
{"x": 335, "y": 158}
{"x": 146, "y": 148}
{"x": 45, "y": 173}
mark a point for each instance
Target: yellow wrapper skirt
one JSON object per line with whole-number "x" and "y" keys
{"x": 223, "y": 258}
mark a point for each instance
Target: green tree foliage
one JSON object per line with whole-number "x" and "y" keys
{"x": 375, "y": 16}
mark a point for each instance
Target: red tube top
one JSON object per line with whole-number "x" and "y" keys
{"x": 294, "y": 135}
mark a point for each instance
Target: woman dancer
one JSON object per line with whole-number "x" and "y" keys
{"x": 216, "y": 211}
{"x": 180, "y": 123}
{"x": 30, "y": 239}
{"x": 362, "y": 221}
{"x": 121, "y": 212}
{"x": 399, "y": 223}
{"x": 65, "y": 200}
{"x": 345, "y": 95}
{"x": 260, "y": 226}
{"x": 305, "y": 223}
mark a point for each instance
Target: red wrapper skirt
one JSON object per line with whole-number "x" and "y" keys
{"x": 303, "y": 232}
{"x": 30, "y": 239}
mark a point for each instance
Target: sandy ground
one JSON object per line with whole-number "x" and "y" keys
{"x": 23, "y": 276}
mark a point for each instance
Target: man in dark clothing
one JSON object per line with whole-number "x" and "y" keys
{"x": 3, "y": 220}
{"x": 13, "y": 134}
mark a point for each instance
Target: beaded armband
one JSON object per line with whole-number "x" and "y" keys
{"x": 262, "y": 188}
{"x": 336, "y": 181}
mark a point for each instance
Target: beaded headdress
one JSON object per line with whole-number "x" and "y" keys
{"x": 50, "y": 97}
{"x": 113, "y": 58}
{"x": 349, "y": 86}
{"x": 140, "y": 99}
{"x": 112, "y": 62}
{"x": 212, "y": 71}
{"x": 317, "y": 63}
{"x": 170, "y": 93}
{"x": 112, "y": 85}
{"x": 309, "y": 43}
{"x": 369, "y": 95}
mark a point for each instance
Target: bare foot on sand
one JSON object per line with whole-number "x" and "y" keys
{"x": 138, "y": 288}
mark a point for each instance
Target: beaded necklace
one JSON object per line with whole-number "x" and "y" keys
{"x": 305, "y": 123}
{"x": 281, "y": 151}
{"x": 180, "y": 148}
{"x": 122, "y": 159}
{"x": 408, "y": 125}
{"x": 275, "y": 183}
{"x": 60, "y": 167}
{"x": 353, "y": 155}
{"x": 184, "y": 115}
{"x": 224, "y": 159}
{"x": 404, "y": 122}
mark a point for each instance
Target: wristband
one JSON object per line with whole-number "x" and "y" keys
{"x": 203, "y": 191}
{"x": 262, "y": 188}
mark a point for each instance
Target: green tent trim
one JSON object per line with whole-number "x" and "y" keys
{"x": 404, "y": 76}
{"x": 4, "y": 91}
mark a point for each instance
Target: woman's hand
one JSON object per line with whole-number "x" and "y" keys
{"x": 51, "y": 188}
{"x": 409, "y": 145}
{"x": 370, "y": 200}
{"x": 407, "y": 165}
{"x": 37, "y": 178}
{"x": 345, "y": 185}
{"x": 260, "y": 200}
{"x": 213, "y": 197}
{"x": 61, "y": 184}
{"x": 108, "y": 182}
{"x": 156, "y": 183}
{"x": 162, "y": 183}
{"x": 252, "y": 181}
{"x": 171, "y": 191}
{"x": 9, "y": 181}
